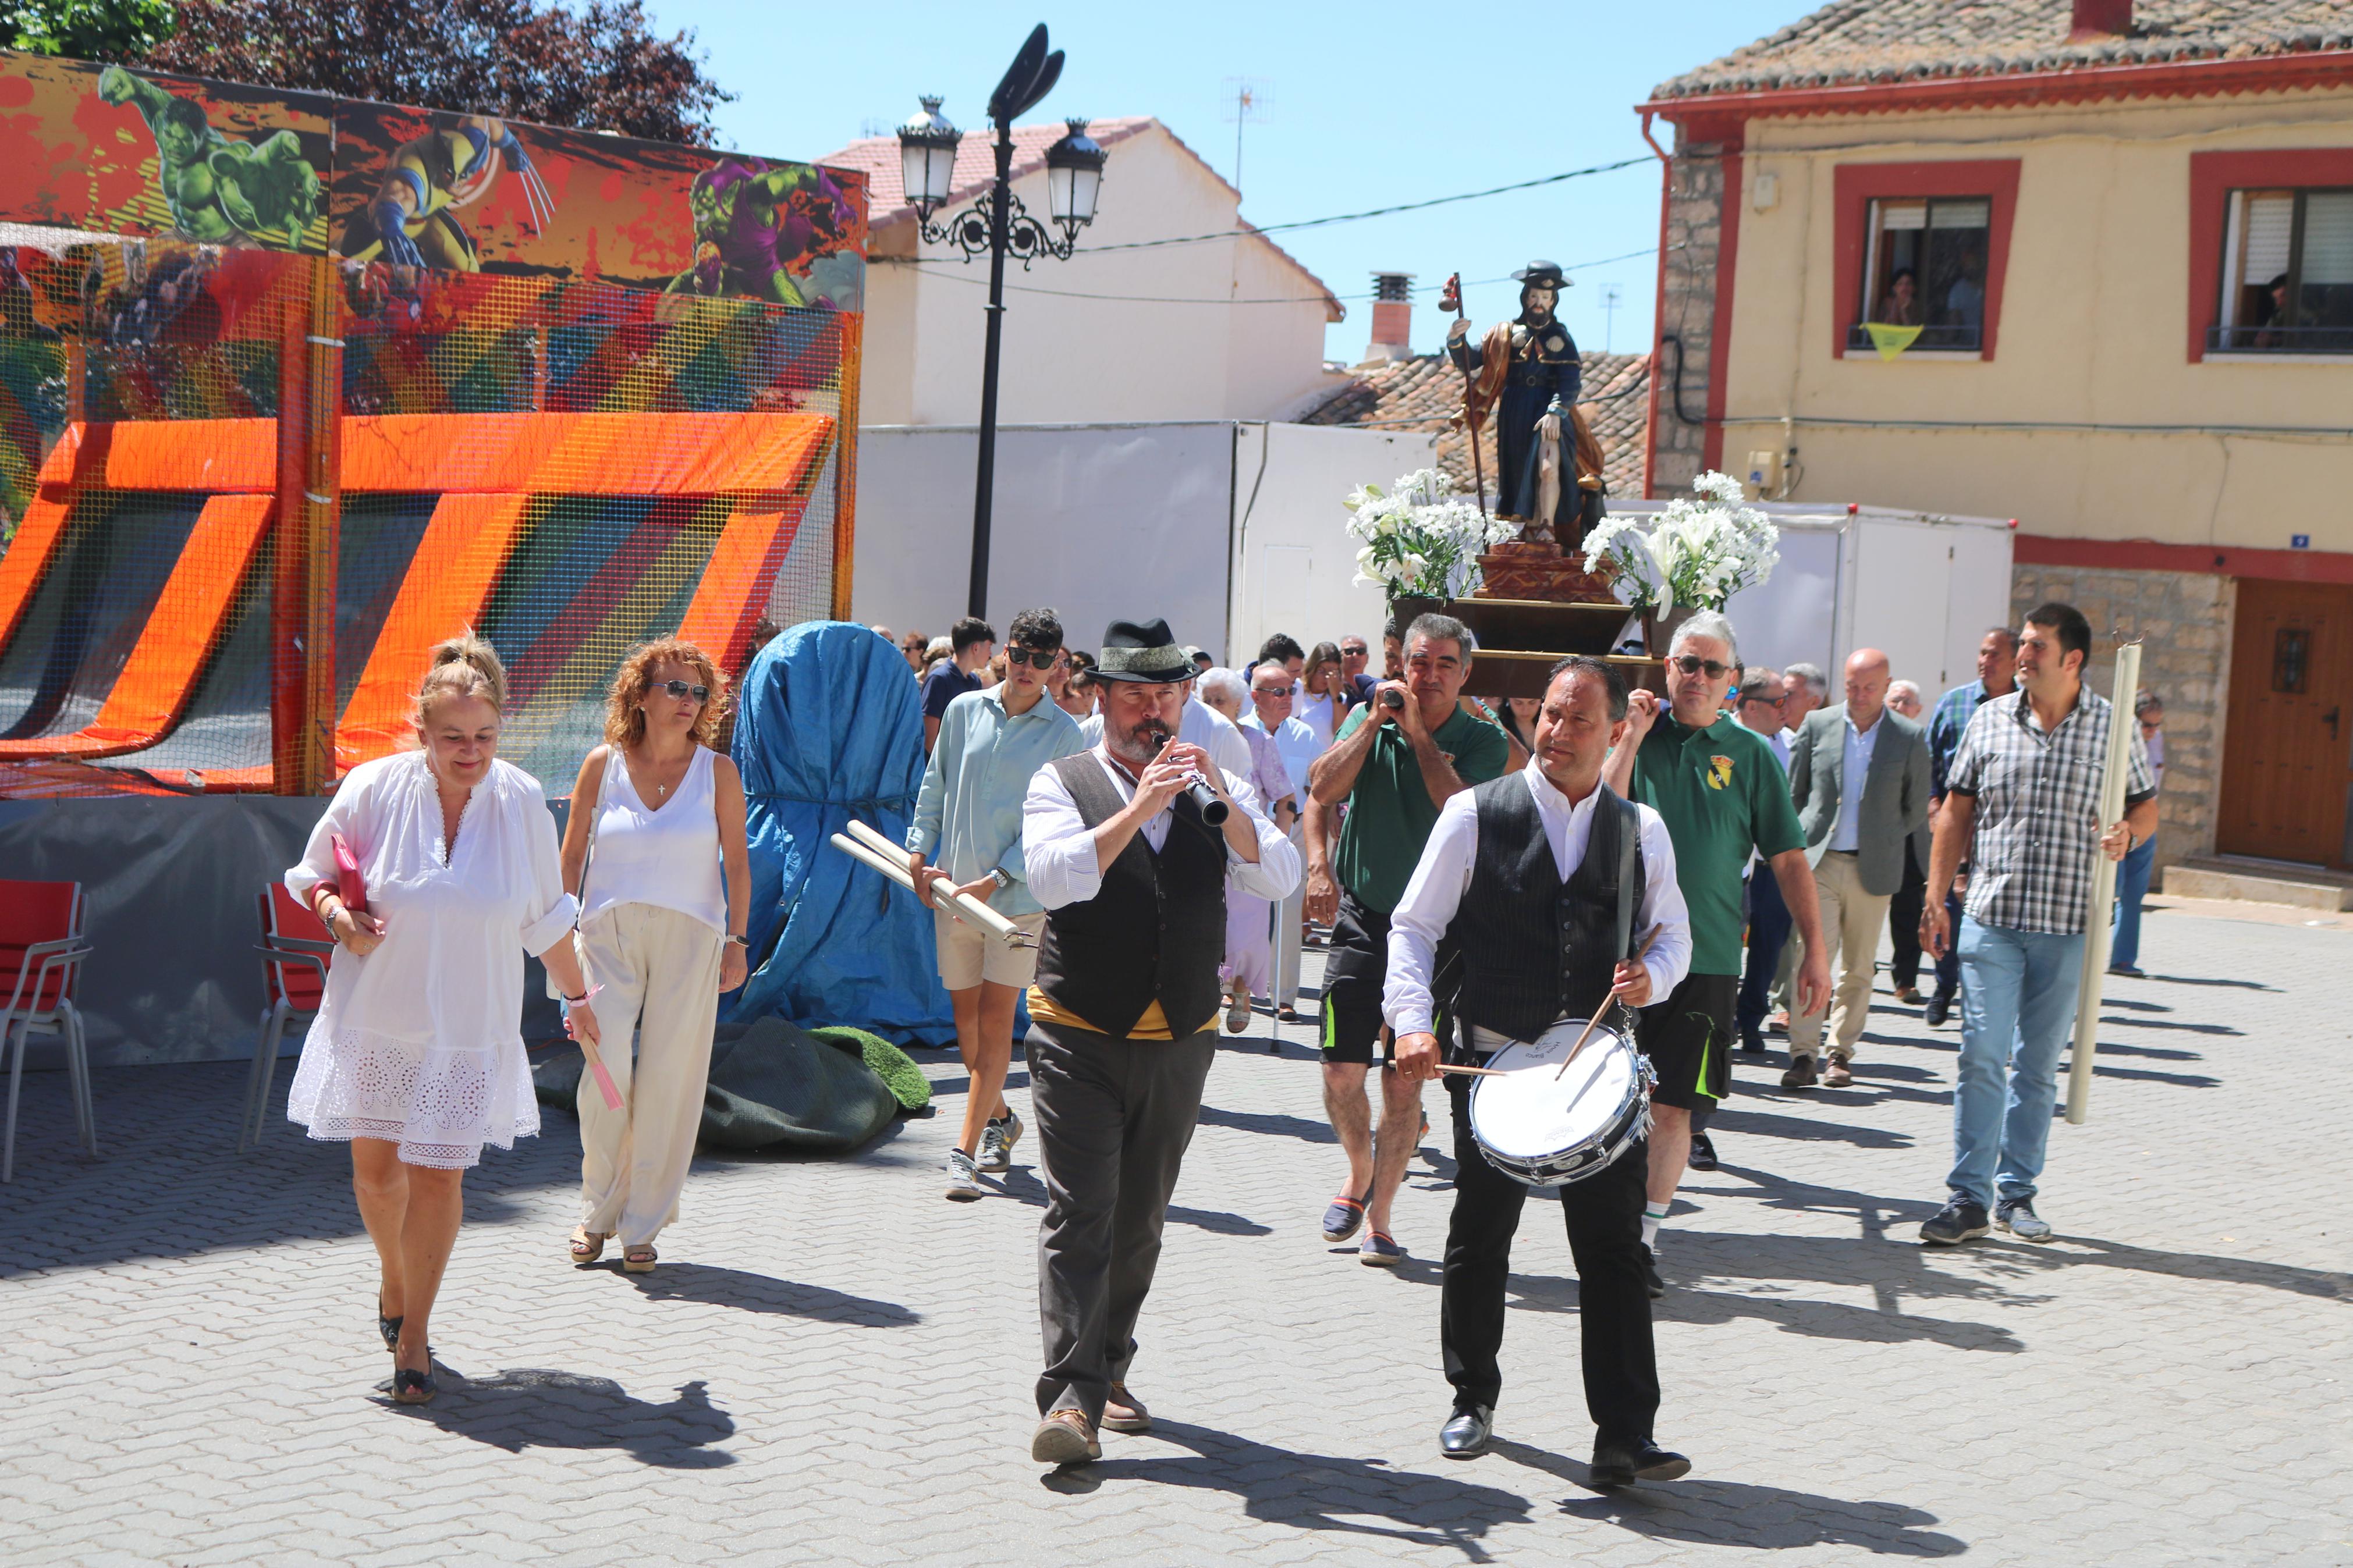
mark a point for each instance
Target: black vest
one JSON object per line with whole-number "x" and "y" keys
{"x": 1531, "y": 948}
{"x": 1155, "y": 928}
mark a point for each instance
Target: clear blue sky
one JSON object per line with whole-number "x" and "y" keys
{"x": 1367, "y": 105}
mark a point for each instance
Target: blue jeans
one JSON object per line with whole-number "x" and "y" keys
{"x": 1769, "y": 932}
{"x": 2018, "y": 1006}
{"x": 2132, "y": 887}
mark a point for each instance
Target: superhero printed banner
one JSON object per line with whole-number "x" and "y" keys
{"x": 119, "y": 151}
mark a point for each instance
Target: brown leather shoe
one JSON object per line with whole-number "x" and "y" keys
{"x": 1124, "y": 1412}
{"x": 1836, "y": 1075}
{"x": 1800, "y": 1074}
{"x": 1064, "y": 1438}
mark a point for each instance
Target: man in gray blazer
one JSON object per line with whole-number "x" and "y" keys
{"x": 1859, "y": 777}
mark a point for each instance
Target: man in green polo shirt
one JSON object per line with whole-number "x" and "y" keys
{"x": 1723, "y": 795}
{"x": 1394, "y": 763}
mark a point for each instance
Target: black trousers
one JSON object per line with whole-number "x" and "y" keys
{"x": 1904, "y": 917}
{"x": 1604, "y": 1213}
{"x": 1113, "y": 1119}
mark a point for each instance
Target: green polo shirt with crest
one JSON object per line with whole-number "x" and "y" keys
{"x": 1721, "y": 794}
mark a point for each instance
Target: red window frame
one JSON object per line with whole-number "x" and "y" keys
{"x": 1857, "y": 186}
{"x": 2213, "y": 177}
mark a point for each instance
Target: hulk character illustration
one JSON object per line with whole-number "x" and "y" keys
{"x": 429, "y": 180}
{"x": 220, "y": 191}
{"x": 754, "y": 223}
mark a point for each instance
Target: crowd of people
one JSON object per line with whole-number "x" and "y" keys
{"x": 1165, "y": 835}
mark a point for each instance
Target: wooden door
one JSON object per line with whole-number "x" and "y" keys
{"x": 2287, "y": 752}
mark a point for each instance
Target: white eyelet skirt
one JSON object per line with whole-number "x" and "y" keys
{"x": 440, "y": 1103}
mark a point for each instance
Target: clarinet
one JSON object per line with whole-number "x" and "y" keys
{"x": 1213, "y": 810}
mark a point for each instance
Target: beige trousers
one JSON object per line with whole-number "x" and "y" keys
{"x": 1851, "y": 922}
{"x": 659, "y": 974}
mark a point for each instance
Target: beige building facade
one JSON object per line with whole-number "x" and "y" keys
{"x": 2087, "y": 266}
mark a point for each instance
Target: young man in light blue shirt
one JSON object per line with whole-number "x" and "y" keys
{"x": 967, "y": 832}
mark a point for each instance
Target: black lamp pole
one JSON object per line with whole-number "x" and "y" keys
{"x": 999, "y": 224}
{"x": 985, "y": 483}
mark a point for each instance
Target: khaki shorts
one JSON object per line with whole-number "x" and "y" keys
{"x": 970, "y": 955}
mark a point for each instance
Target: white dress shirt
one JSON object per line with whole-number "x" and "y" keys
{"x": 1854, "y": 769}
{"x": 1201, "y": 726}
{"x": 1059, "y": 847}
{"x": 1444, "y": 876}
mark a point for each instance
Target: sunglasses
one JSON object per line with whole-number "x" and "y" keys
{"x": 1691, "y": 663}
{"x": 1035, "y": 657}
{"x": 680, "y": 689}
{"x": 1781, "y": 702}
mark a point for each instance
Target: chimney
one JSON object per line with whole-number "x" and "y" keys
{"x": 2100, "y": 19}
{"x": 1392, "y": 316}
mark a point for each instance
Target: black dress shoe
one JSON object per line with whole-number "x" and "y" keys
{"x": 1752, "y": 1042}
{"x": 1939, "y": 1008}
{"x": 1703, "y": 1152}
{"x": 1621, "y": 1462}
{"x": 1657, "y": 1286}
{"x": 1465, "y": 1433}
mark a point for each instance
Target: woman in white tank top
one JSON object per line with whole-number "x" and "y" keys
{"x": 656, "y": 815}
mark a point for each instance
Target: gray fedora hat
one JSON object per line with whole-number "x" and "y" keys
{"x": 1143, "y": 651}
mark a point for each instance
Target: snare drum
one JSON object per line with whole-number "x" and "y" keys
{"x": 1546, "y": 1128}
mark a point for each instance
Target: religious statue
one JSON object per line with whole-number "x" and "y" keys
{"x": 1524, "y": 376}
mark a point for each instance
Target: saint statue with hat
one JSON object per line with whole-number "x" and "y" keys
{"x": 1524, "y": 376}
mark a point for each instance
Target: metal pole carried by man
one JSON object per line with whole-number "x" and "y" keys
{"x": 1542, "y": 897}
{"x": 2022, "y": 803}
{"x": 1129, "y": 847}
{"x": 1723, "y": 797}
{"x": 1859, "y": 777}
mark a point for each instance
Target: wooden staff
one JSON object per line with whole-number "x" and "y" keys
{"x": 1452, "y": 298}
{"x": 873, "y": 850}
{"x": 2116, "y": 774}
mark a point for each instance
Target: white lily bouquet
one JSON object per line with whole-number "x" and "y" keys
{"x": 1421, "y": 539}
{"x": 1698, "y": 552}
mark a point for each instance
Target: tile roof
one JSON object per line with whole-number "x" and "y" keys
{"x": 1423, "y": 392}
{"x": 975, "y": 167}
{"x": 1885, "y": 41}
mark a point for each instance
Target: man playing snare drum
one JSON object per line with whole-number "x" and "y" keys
{"x": 1530, "y": 893}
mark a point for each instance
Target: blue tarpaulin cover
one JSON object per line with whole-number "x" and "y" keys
{"x": 829, "y": 728}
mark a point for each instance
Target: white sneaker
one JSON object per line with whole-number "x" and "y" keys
{"x": 996, "y": 1140}
{"x": 963, "y": 1178}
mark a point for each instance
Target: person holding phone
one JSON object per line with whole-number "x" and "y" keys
{"x": 416, "y": 1057}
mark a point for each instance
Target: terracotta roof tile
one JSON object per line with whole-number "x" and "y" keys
{"x": 1422, "y": 392}
{"x": 1862, "y": 41}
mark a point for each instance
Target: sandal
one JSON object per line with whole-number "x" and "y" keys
{"x": 389, "y": 1327}
{"x": 412, "y": 1387}
{"x": 587, "y": 1246}
{"x": 640, "y": 1259}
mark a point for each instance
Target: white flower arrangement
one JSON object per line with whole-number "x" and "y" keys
{"x": 1419, "y": 538}
{"x": 1698, "y": 552}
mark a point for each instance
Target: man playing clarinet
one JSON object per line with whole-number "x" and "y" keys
{"x": 1128, "y": 848}
{"x": 1531, "y": 903}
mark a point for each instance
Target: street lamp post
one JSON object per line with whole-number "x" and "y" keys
{"x": 996, "y": 224}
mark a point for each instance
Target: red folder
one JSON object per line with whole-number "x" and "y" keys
{"x": 350, "y": 886}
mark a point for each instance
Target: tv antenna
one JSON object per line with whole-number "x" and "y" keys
{"x": 1246, "y": 104}
{"x": 1608, "y": 312}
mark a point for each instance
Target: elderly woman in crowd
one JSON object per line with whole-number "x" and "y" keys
{"x": 1249, "y": 968}
{"x": 656, "y": 814}
{"x": 416, "y": 1057}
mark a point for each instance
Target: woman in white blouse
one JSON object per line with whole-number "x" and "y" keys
{"x": 655, "y": 814}
{"x": 1323, "y": 699}
{"x": 416, "y": 1057}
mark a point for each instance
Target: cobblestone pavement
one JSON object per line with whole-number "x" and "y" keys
{"x": 833, "y": 1365}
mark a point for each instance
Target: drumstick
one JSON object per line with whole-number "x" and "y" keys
{"x": 1471, "y": 1071}
{"x": 1640, "y": 953}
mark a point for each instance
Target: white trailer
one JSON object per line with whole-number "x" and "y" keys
{"x": 1920, "y": 585}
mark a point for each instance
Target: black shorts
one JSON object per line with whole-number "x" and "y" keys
{"x": 1688, "y": 1040}
{"x": 1356, "y": 969}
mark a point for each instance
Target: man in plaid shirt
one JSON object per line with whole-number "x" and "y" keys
{"x": 2026, "y": 783}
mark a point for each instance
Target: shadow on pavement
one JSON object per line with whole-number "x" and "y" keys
{"x": 1311, "y": 1491}
{"x": 1020, "y": 1184}
{"x": 531, "y": 1408}
{"x": 1733, "y": 1513}
{"x": 1735, "y": 1118}
{"x": 748, "y": 1292}
{"x": 1304, "y": 1129}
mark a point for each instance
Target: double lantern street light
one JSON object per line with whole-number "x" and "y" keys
{"x": 996, "y": 224}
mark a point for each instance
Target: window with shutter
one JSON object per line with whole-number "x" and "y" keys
{"x": 1923, "y": 276}
{"x": 2288, "y": 273}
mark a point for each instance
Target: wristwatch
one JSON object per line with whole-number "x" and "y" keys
{"x": 739, "y": 941}
{"x": 998, "y": 875}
